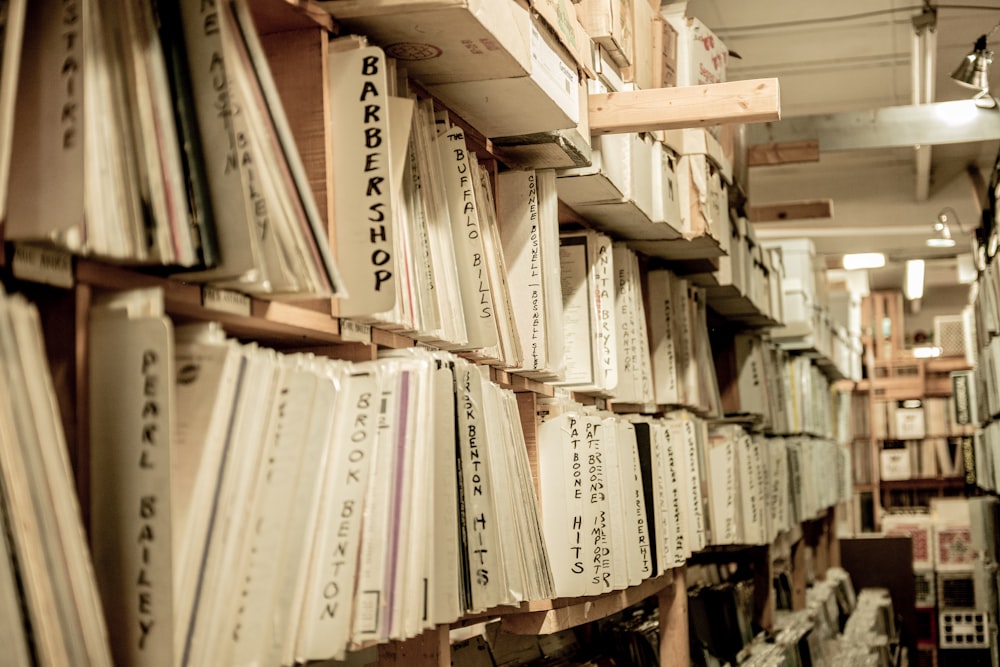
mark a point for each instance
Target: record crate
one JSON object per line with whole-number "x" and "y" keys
{"x": 882, "y": 324}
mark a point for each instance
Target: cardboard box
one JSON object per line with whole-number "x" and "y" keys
{"x": 605, "y": 179}
{"x": 445, "y": 41}
{"x": 556, "y": 149}
{"x": 910, "y": 423}
{"x": 733, "y": 140}
{"x": 796, "y": 306}
{"x": 608, "y": 74}
{"x": 777, "y": 311}
{"x": 640, "y": 69}
{"x": 704, "y": 210}
{"x": 798, "y": 258}
{"x": 641, "y": 171}
{"x": 547, "y": 98}
{"x": 666, "y": 197}
{"x": 631, "y": 214}
{"x": 845, "y": 309}
{"x": 701, "y": 56}
{"x": 895, "y": 464}
{"x": 561, "y": 18}
{"x": 664, "y": 54}
{"x": 609, "y": 24}
{"x": 699, "y": 141}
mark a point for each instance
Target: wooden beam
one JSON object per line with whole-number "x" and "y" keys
{"x": 271, "y": 16}
{"x": 789, "y": 152}
{"x": 791, "y": 210}
{"x": 752, "y": 101}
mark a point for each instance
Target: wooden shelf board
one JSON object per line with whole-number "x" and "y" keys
{"x": 547, "y": 616}
{"x": 273, "y": 322}
{"x": 281, "y": 15}
{"x": 516, "y": 382}
{"x": 946, "y": 364}
{"x": 749, "y": 101}
{"x": 921, "y": 483}
{"x": 790, "y": 211}
{"x": 789, "y": 152}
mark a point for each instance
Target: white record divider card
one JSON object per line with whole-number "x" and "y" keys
{"x": 362, "y": 179}
{"x": 131, "y": 368}
{"x": 561, "y": 461}
{"x": 477, "y": 297}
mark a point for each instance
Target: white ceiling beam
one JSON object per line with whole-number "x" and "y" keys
{"x": 890, "y": 127}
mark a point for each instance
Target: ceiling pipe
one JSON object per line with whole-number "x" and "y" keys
{"x": 922, "y": 63}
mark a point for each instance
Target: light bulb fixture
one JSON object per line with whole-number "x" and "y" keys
{"x": 864, "y": 260}
{"x": 913, "y": 286}
{"x": 974, "y": 71}
{"x": 941, "y": 235}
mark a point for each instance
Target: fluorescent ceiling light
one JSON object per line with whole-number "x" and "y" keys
{"x": 864, "y": 260}
{"x": 926, "y": 352}
{"x": 913, "y": 288}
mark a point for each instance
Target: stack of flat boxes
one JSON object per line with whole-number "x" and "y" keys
{"x": 630, "y": 186}
{"x": 845, "y": 311}
{"x": 677, "y": 181}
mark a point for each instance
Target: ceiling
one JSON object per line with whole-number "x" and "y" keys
{"x": 857, "y": 55}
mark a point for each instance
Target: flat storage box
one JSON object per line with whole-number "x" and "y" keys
{"x": 609, "y": 24}
{"x": 845, "y": 309}
{"x": 910, "y": 423}
{"x": 605, "y": 179}
{"x": 664, "y": 54}
{"x": 555, "y": 149}
{"x": 444, "y": 41}
{"x": 796, "y": 306}
{"x": 666, "y": 195}
{"x": 733, "y": 139}
{"x": 631, "y": 215}
{"x": 799, "y": 266}
{"x": 699, "y": 141}
{"x": 545, "y": 98}
{"x": 640, "y": 70}
{"x": 561, "y": 19}
{"x": 730, "y": 280}
{"x": 703, "y": 199}
{"x": 701, "y": 55}
{"x": 895, "y": 464}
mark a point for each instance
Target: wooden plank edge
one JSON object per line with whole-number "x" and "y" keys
{"x": 788, "y": 152}
{"x": 271, "y": 318}
{"x": 280, "y": 15}
{"x": 793, "y": 210}
{"x": 569, "y": 613}
{"x": 749, "y": 101}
